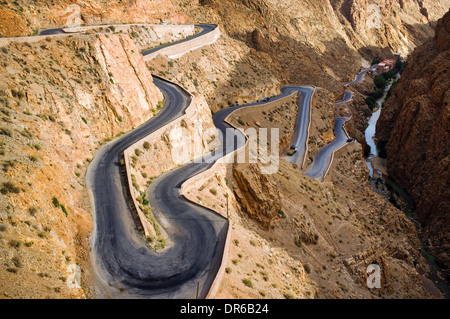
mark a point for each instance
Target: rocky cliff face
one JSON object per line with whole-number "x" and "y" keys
{"x": 415, "y": 123}
{"x": 60, "y": 99}
{"x": 23, "y": 17}
{"x": 256, "y": 193}
{"x": 346, "y": 27}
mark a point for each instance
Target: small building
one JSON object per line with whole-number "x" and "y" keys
{"x": 390, "y": 63}
{"x": 385, "y": 66}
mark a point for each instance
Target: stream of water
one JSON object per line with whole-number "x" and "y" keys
{"x": 370, "y": 131}
{"x": 409, "y": 211}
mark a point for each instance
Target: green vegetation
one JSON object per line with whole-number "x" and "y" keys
{"x": 36, "y": 146}
{"x": 15, "y": 243}
{"x": 9, "y": 187}
{"x": 159, "y": 106}
{"x": 394, "y": 83}
{"x": 63, "y": 209}
{"x": 33, "y": 158}
{"x": 247, "y": 282}
{"x": 133, "y": 160}
{"x": 134, "y": 182}
{"x": 400, "y": 66}
{"x": 57, "y": 204}
{"x": 17, "y": 94}
{"x": 8, "y": 164}
{"x": 288, "y": 295}
{"x": 26, "y": 133}
{"x": 381, "y": 81}
{"x": 374, "y": 61}
{"x": 32, "y": 211}
{"x": 5, "y": 131}
{"x": 142, "y": 199}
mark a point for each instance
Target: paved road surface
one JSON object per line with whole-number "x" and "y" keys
{"x": 123, "y": 264}
{"x": 324, "y": 156}
{"x": 206, "y": 28}
{"x": 301, "y": 134}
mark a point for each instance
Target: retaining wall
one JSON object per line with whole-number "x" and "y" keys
{"x": 147, "y": 227}
{"x": 188, "y": 184}
{"x": 177, "y": 50}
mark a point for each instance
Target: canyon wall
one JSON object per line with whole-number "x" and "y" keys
{"x": 415, "y": 124}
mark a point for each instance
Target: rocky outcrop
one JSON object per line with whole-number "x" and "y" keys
{"x": 305, "y": 231}
{"x": 256, "y": 193}
{"x": 12, "y": 25}
{"x": 415, "y": 124}
{"x": 358, "y": 265}
{"x": 130, "y": 83}
{"x": 345, "y": 27}
{"x": 442, "y": 34}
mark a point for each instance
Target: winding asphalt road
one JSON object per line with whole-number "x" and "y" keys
{"x": 206, "y": 28}
{"x": 324, "y": 156}
{"x": 123, "y": 264}
{"x": 300, "y": 139}
{"x": 52, "y": 31}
